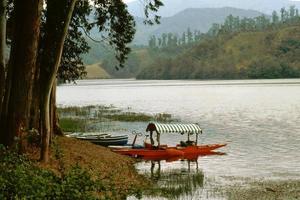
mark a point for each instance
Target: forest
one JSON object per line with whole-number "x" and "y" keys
{"x": 41, "y": 41}
{"x": 239, "y": 48}
{"x": 262, "y": 47}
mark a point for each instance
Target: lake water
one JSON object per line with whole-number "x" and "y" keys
{"x": 259, "y": 119}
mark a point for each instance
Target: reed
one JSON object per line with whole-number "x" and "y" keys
{"x": 73, "y": 124}
{"x": 103, "y": 113}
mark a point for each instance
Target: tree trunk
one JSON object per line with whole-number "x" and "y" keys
{"x": 59, "y": 14}
{"x": 22, "y": 65}
{"x": 2, "y": 49}
{"x": 35, "y": 105}
{"x": 52, "y": 110}
{"x": 56, "y": 130}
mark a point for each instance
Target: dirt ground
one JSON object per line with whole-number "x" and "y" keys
{"x": 115, "y": 171}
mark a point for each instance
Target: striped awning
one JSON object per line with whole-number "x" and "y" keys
{"x": 174, "y": 128}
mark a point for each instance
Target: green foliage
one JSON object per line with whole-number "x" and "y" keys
{"x": 172, "y": 40}
{"x": 71, "y": 65}
{"x": 265, "y": 67}
{"x": 73, "y": 124}
{"x": 21, "y": 179}
{"x": 238, "y": 49}
{"x": 78, "y": 184}
{"x": 112, "y": 22}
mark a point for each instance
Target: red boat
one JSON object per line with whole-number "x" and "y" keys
{"x": 153, "y": 153}
{"x": 200, "y": 149}
{"x": 163, "y": 152}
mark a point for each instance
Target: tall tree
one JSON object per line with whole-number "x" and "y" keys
{"x": 3, "y": 5}
{"x": 183, "y": 38}
{"x": 58, "y": 17}
{"x": 164, "y": 40}
{"x": 189, "y": 36}
{"x": 275, "y": 18}
{"x": 31, "y": 65}
{"x": 111, "y": 16}
{"x": 22, "y": 64}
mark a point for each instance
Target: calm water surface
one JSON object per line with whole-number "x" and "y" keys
{"x": 260, "y": 119}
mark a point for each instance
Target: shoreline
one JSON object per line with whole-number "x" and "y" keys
{"x": 117, "y": 173}
{"x": 264, "y": 188}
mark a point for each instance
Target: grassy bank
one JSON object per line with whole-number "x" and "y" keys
{"x": 90, "y": 118}
{"x": 77, "y": 170}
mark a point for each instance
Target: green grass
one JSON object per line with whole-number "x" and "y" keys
{"x": 129, "y": 117}
{"x": 91, "y": 118}
{"x": 73, "y": 125}
{"x": 104, "y": 113}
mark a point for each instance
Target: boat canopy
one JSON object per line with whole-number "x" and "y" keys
{"x": 174, "y": 128}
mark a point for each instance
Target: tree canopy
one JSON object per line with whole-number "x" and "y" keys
{"x": 46, "y": 40}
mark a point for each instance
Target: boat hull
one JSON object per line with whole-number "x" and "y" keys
{"x": 103, "y": 139}
{"x": 170, "y": 152}
{"x": 202, "y": 149}
{"x": 108, "y": 142}
{"x": 111, "y": 140}
{"x": 150, "y": 153}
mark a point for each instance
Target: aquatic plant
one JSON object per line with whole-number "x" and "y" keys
{"x": 173, "y": 184}
{"x": 91, "y": 118}
{"x": 73, "y": 124}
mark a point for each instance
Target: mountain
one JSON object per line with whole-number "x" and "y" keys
{"x": 171, "y": 7}
{"x": 193, "y": 18}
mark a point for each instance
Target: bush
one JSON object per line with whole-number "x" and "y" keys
{"x": 21, "y": 179}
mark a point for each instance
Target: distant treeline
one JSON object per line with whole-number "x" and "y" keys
{"x": 260, "y": 23}
{"x": 173, "y": 39}
{"x": 260, "y": 47}
{"x": 231, "y": 24}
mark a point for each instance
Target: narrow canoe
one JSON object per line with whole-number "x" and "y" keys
{"x": 201, "y": 149}
{"x": 168, "y": 152}
{"x": 149, "y": 153}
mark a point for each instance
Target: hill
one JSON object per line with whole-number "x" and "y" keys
{"x": 200, "y": 19}
{"x": 95, "y": 71}
{"x": 174, "y": 6}
{"x": 270, "y": 53}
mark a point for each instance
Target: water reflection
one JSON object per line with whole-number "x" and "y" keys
{"x": 180, "y": 182}
{"x": 173, "y": 183}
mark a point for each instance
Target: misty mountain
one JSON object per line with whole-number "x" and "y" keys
{"x": 174, "y": 6}
{"x": 193, "y": 18}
